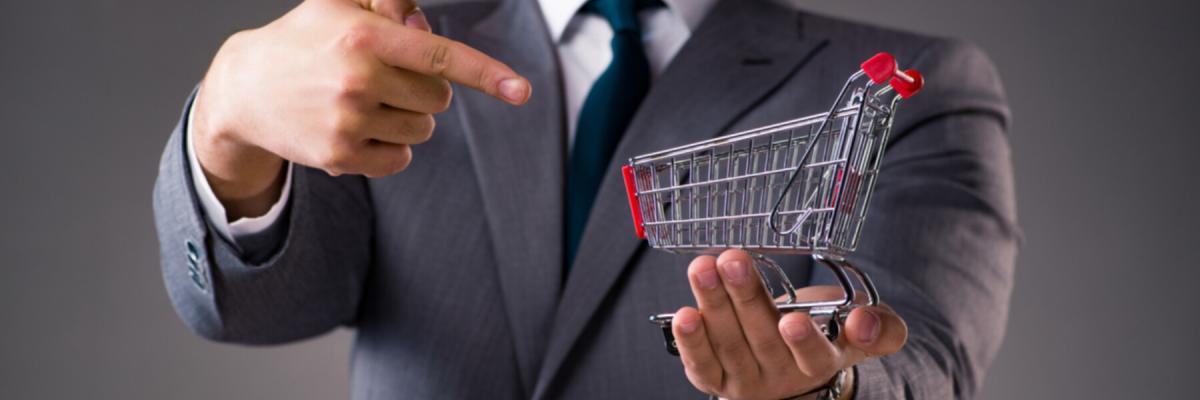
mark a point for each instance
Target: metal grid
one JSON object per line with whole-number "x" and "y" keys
{"x": 720, "y": 193}
{"x": 801, "y": 186}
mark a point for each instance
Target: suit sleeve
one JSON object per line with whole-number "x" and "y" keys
{"x": 301, "y": 278}
{"x": 941, "y": 236}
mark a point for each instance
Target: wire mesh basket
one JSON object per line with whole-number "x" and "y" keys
{"x": 796, "y": 187}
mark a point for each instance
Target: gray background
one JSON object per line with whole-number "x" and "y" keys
{"x": 1102, "y": 97}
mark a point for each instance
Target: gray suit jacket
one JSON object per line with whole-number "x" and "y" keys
{"x": 451, "y": 272}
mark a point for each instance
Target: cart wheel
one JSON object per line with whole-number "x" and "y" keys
{"x": 669, "y": 340}
{"x": 664, "y": 322}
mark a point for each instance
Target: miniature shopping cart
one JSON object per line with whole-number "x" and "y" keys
{"x": 795, "y": 187}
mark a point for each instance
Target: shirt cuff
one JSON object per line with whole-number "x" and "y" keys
{"x": 216, "y": 212}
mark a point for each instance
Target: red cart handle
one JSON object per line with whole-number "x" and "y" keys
{"x": 634, "y": 206}
{"x": 883, "y": 68}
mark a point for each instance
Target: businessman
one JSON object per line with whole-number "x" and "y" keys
{"x": 445, "y": 182}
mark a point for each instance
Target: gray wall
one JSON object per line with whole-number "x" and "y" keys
{"x": 1101, "y": 97}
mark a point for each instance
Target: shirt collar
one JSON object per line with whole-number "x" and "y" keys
{"x": 558, "y": 13}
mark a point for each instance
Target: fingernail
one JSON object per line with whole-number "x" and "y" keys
{"x": 736, "y": 272}
{"x": 870, "y": 327}
{"x": 687, "y": 325}
{"x": 797, "y": 330}
{"x": 416, "y": 19}
{"x": 514, "y": 89}
{"x": 707, "y": 278}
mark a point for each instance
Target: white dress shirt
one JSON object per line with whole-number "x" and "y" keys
{"x": 583, "y": 43}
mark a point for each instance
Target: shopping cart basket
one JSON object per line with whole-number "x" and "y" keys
{"x": 795, "y": 187}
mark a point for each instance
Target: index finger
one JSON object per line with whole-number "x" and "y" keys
{"x": 755, "y": 311}
{"x": 430, "y": 54}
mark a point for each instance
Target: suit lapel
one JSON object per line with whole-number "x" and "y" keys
{"x": 518, "y": 155}
{"x": 740, "y": 53}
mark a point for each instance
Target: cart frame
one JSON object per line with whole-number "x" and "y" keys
{"x": 801, "y": 186}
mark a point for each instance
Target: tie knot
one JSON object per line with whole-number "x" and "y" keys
{"x": 621, "y": 14}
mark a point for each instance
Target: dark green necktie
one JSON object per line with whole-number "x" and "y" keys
{"x": 606, "y": 112}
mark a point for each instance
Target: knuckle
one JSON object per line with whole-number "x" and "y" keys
{"x": 353, "y": 85}
{"x": 438, "y": 56}
{"x": 483, "y": 76}
{"x": 424, "y": 130}
{"x": 750, "y": 296}
{"x": 443, "y": 96}
{"x": 380, "y": 171}
{"x": 401, "y": 161}
{"x": 337, "y": 157}
{"x": 716, "y": 301}
{"x": 729, "y": 355}
{"x": 769, "y": 344}
{"x": 357, "y": 37}
{"x": 344, "y": 125}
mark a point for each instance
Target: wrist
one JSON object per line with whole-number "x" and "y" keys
{"x": 839, "y": 387}
{"x": 246, "y": 178}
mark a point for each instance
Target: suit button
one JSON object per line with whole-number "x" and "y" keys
{"x": 193, "y": 251}
{"x": 195, "y": 270}
{"x": 198, "y": 279}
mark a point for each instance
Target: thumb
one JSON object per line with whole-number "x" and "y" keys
{"x": 876, "y": 330}
{"x": 405, "y": 12}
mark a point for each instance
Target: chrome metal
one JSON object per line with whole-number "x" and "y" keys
{"x": 795, "y": 187}
{"x": 784, "y": 281}
{"x": 865, "y": 280}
